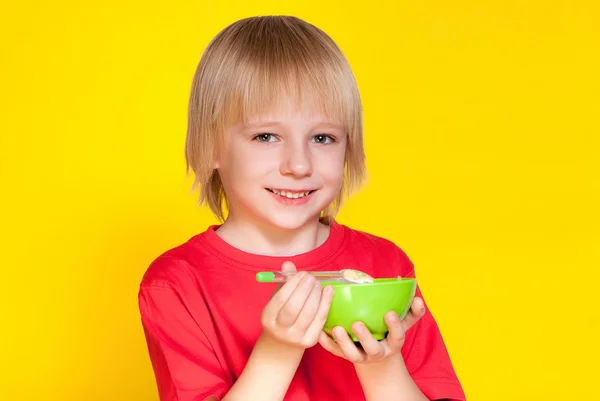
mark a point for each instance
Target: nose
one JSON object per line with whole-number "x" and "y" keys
{"x": 296, "y": 160}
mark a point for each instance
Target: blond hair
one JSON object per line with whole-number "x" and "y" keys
{"x": 255, "y": 64}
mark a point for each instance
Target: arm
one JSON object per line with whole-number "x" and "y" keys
{"x": 424, "y": 354}
{"x": 412, "y": 363}
{"x": 421, "y": 371}
{"x": 380, "y": 365}
{"x": 292, "y": 321}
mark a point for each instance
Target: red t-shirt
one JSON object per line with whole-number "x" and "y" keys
{"x": 200, "y": 306}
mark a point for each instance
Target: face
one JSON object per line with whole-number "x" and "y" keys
{"x": 282, "y": 168}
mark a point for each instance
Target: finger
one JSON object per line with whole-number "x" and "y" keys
{"x": 373, "y": 348}
{"x": 279, "y": 298}
{"x": 309, "y": 310}
{"x": 416, "y": 312}
{"x": 396, "y": 334}
{"x": 291, "y": 309}
{"x": 328, "y": 344}
{"x": 323, "y": 310}
{"x": 346, "y": 345}
{"x": 286, "y": 267}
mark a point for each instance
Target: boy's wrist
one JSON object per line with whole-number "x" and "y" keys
{"x": 268, "y": 373}
{"x": 388, "y": 379}
{"x": 394, "y": 363}
{"x": 270, "y": 346}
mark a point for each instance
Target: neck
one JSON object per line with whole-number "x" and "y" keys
{"x": 264, "y": 239}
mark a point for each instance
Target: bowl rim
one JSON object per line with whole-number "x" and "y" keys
{"x": 378, "y": 282}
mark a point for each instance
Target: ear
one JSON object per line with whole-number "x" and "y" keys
{"x": 217, "y": 150}
{"x": 215, "y": 162}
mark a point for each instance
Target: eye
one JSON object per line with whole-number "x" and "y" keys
{"x": 264, "y": 137}
{"x": 324, "y": 139}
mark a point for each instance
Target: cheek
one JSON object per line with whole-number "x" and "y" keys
{"x": 246, "y": 162}
{"x": 332, "y": 167}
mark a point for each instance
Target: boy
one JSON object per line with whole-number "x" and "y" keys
{"x": 275, "y": 136}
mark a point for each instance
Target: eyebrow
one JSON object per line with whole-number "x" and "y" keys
{"x": 263, "y": 124}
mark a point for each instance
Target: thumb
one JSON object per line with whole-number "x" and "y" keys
{"x": 286, "y": 267}
{"x": 416, "y": 312}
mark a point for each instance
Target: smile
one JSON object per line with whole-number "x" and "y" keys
{"x": 289, "y": 194}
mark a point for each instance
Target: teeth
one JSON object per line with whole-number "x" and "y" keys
{"x": 290, "y": 195}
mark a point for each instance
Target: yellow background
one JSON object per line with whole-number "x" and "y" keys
{"x": 482, "y": 137}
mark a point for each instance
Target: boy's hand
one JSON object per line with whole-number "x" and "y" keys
{"x": 374, "y": 351}
{"x": 297, "y": 312}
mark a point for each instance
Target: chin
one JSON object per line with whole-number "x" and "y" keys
{"x": 290, "y": 221}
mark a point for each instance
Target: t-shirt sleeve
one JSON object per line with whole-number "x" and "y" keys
{"x": 426, "y": 356}
{"x": 185, "y": 365}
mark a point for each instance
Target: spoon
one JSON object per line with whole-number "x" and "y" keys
{"x": 344, "y": 275}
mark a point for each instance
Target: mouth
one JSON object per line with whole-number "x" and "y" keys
{"x": 290, "y": 194}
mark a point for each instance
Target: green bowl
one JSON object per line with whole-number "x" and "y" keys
{"x": 368, "y": 303}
